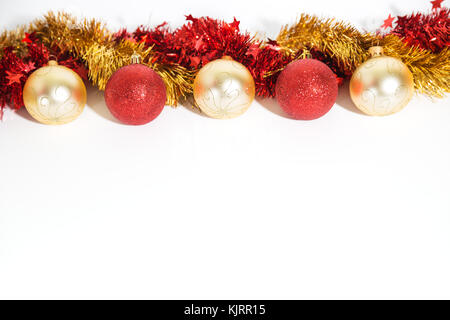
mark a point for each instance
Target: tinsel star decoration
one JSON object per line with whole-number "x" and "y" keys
{"x": 388, "y": 22}
{"x": 436, "y": 4}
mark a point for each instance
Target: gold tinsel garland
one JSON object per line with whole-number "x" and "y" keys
{"x": 349, "y": 48}
{"x": 91, "y": 42}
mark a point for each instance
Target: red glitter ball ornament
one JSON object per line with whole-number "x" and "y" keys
{"x": 306, "y": 89}
{"x": 135, "y": 94}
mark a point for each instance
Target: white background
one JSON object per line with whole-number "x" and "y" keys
{"x": 261, "y": 207}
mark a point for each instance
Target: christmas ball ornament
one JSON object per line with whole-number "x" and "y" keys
{"x": 306, "y": 89}
{"x": 224, "y": 88}
{"x": 54, "y": 94}
{"x": 382, "y": 85}
{"x": 135, "y": 94}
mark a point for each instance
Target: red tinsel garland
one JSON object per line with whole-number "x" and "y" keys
{"x": 202, "y": 40}
{"x": 428, "y": 31}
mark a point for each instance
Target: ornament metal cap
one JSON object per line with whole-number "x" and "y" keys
{"x": 52, "y": 63}
{"x": 376, "y": 51}
{"x": 135, "y": 58}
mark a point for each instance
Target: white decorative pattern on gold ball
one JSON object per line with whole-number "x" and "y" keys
{"x": 224, "y": 89}
{"x": 382, "y": 85}
{"x": 54, "y": 94}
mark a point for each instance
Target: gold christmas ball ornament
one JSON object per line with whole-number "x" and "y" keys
{"x": 224, "y": 88}
{"x": 54, "y": 94}
{"x": 382, "y": 85}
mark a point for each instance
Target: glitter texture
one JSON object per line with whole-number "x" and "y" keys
{"x": 306, "y": 89}
{"x": 135, "y": 94}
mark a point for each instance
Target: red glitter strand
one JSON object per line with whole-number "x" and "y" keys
{"x": 428, "y": 31}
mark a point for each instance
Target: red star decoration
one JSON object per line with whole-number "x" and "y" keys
{"x": 235, "y": 24}
{"x": 199, "y": 43}
{"x": 28, "y": 37}
{"x": 195, "y": 61}
{"x": 253, "y": 51}
{"x": 191, "y": 18}
{"x": 388, "y": 22}
{"x": 436, "y": 4}
{"x": 28, "y": 67}
{"x": 273, "y": 44}
{"x": 13, "y": 77}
